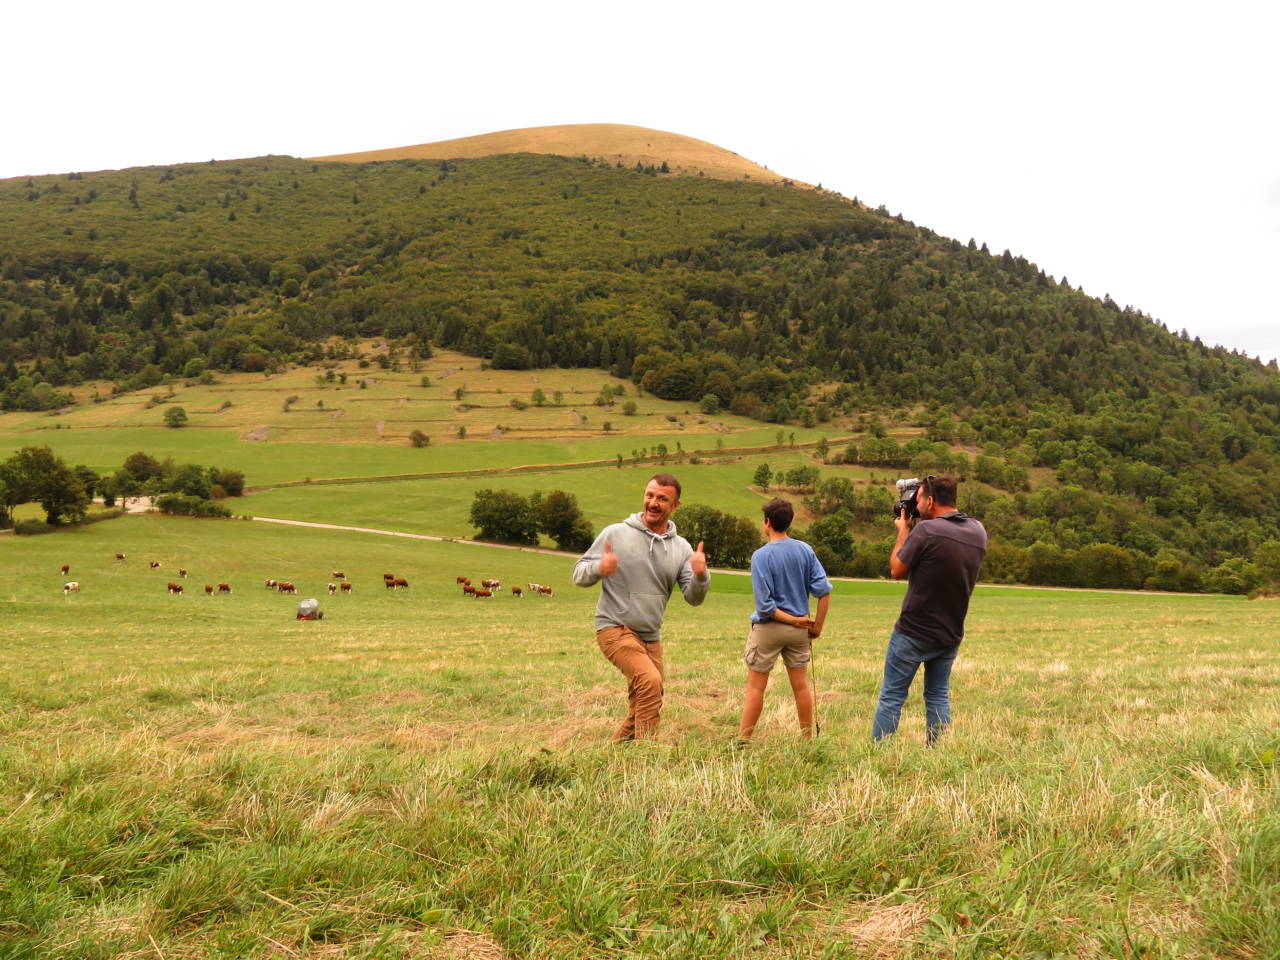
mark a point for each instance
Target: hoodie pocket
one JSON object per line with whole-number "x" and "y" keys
{"x": 644, "y": 612}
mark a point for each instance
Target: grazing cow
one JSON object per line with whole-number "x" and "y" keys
{"x": 182, "y": 572}
{"x": 483, "y": 593}
{"x": 119, "y": 556}
{"x": 344, "y": 587}
{"x": 390, "y": 584}
{"x": 72, "y": 586}
{"x": 272, "y": 584}
{"x": 535, "y": 587}
{"x": 388, "y": 576}
{"x": 468, "y": 590}
{"x": 545, "y": 591}
{"x": 155, "y": 564}
{"x": 460, "y": 579}
{"x": 224, "y": 588}
{"x": 175, "y": 587}
{"x": 339, "y": 575}
{"x": 333, "y": 588}
{"x": 208, "y": 589}
{"x": 399, "y": 582}
{"x": 66, "y": 568}
{"x": 517, "y": 592}
{"x": 491, "y": 584}
{"x": 284, "y": 586}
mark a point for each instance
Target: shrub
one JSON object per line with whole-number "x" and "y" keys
{"x": 232, "y": 481}
{"x": 181, "y": 505}
{"x": 504, "y": 516}
{"x": 730, "y": 540}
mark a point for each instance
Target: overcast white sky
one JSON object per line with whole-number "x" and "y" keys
{"x": 1132, "y": 147}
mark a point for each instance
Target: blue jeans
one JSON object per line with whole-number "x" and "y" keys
{"x": 901, "y": 660}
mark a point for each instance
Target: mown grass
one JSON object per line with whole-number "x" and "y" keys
{"x": 419, "y": 775}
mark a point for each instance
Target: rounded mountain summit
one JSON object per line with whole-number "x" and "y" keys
{"x": 615, "y": 142}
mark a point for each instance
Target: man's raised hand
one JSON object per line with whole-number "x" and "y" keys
{"x": 609, "y": 562}
{"x": 698, "y": 561}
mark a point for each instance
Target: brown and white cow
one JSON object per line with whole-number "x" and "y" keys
{"x": 339, "y": 575}
{"x": 155, "y": 564}
{"x": 224, "y": 588}
{"x": 344, "y": 586}
{"x": 333, "y": 588}
{"x": 175, "y": 588}
{"x": 517, "y": 592}
{"x": 66, "y": 568}
{"x": 208, "y": 589}
{"x": 72, "y": 586}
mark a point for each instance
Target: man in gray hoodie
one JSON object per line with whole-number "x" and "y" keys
{"x": 640, "y": 560}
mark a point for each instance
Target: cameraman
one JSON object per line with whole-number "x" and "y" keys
{"x": 941, "y": 557}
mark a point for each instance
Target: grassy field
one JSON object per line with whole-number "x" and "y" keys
{"x": 420, "y": 775}
{"x": 442, "y": 506}
{"x": 344, "y": 430}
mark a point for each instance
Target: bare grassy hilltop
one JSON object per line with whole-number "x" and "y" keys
{"x": 617, "y": 143}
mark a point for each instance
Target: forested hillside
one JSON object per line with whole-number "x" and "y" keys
{"x": 1159, "y": 454}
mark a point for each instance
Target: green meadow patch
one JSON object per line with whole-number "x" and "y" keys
{"x": 423, "y": 775}
{"x": 296, "y": 425}
{"x": 442, "y": 505}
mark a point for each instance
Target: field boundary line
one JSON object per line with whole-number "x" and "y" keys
{"x": 533, "y": 467}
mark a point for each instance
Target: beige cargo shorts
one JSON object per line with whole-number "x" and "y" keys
{"x": 767, "y": 640}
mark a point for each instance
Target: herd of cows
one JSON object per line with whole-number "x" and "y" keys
{"x": 488, "y": 588}
{"x": 340, "y": 583}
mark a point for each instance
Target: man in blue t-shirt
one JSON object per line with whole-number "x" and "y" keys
{"x": 784, "y": 573}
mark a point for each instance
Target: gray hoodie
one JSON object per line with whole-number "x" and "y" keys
{"x": 649, "y": 565}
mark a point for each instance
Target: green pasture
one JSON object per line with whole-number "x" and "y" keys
{"x": 337, "y": 430}
{"x": 422, "y": 775}
{"x": 442, "y": 506}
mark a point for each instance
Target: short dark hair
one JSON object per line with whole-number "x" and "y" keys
{"x": 666, "y": 480}
{"x": 779, "y": 513}
{"x": 942, "y": 489}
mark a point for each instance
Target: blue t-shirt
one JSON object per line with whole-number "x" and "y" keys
{"x": 783, "y": 575}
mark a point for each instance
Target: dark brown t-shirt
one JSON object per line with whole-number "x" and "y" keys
{"x": 944, "y": 555}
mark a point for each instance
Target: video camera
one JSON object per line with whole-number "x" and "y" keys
{"x": 907, "y": 490}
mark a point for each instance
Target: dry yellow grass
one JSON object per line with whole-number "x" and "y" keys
{"x": 612, "y": 141}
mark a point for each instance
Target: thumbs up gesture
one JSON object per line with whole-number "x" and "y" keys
{"x": 609, "y": 562}
{"x": 698, "y": 561}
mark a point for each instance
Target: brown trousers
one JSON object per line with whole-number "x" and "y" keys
{"x": 641, "y": 664}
